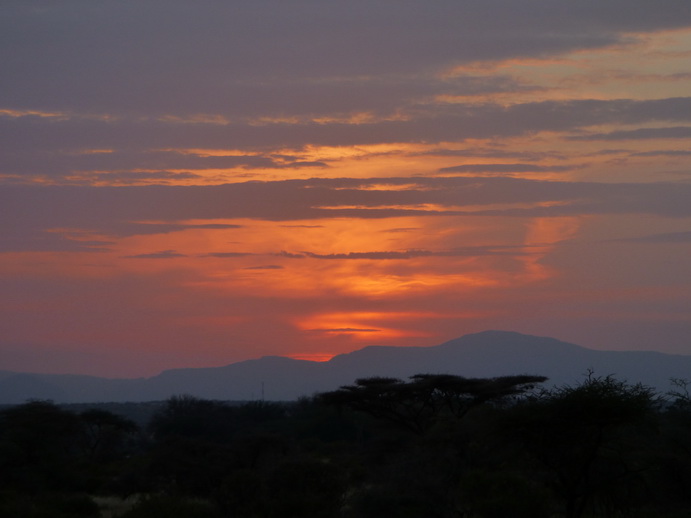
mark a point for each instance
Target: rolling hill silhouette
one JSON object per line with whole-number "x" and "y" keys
{"x": 485, "y": 354}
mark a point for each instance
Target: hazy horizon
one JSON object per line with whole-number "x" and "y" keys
{"x": 193, "y": 185}
{"x": 489, "y": 335}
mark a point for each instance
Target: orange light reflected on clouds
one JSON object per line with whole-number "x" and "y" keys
{"x": 647, "y": 66}
{"x": 320, "y": 257}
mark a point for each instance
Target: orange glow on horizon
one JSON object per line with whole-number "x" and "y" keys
{"x": 358, "y": 325}
{"x": 312, "y": 357}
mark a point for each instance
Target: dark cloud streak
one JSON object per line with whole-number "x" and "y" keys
{"x": 504, "y": 168}
{"x": 412, "y": 254}
{"x": 163, "y": 254}
{"x": 115, "y": 211}
{"x": 432, "y": 125}
{"x": 74, "y": 56}
{"x": 663, "y": 238}
{"x": 676, "y": 132}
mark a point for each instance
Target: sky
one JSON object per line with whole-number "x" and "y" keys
{"x": 192, "y": 184}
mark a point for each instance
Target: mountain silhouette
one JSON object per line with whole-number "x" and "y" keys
{"x": 277, "y": 378}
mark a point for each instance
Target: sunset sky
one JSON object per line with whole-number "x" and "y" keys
{"x": 188, "y": 184}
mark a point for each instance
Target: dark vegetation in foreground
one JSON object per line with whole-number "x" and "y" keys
{"x": 434, "y": 446}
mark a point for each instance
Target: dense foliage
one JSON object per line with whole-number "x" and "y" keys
{"x": 433, "y": 446}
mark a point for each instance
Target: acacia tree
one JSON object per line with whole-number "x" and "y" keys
{"x": 39, "y": 444}
{"x": 105, "y": 433}
{"x": 194, "y": 418}
{"x": 418, "y": 473}
{"x": 587, "y": 438}
{"x": 681, "y": 393}
{"x": 673, "y": 451}
{"x": 416, "y": 405}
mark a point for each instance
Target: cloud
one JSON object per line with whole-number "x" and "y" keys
{"x": 401, "y": 230}
{"x": 411, "y": 254}
{"x": 113, "y": 177}
{"x": 639, "y": 134}
{"x": 44, "y": 241}
{"x": 116, "y": 211}
{"x": 248, "y": 55}
{"x": 265, "y": 267}
{"x": 345, "y": 330}
{"x": 227, "y": 254}
{"x": 302, "y": 226}
{"x": 144, "y": 227}
{"x": 429, "y": 124}
{"x": 73, "y": 162}
{"x": 663, "y": 152}
{"x": 504, "y": 168}
{"x": 665, "y": 237}
{"x": 290, "y": 255}
{"x": 209, "y": 226}
{"x": 163, "y": 254}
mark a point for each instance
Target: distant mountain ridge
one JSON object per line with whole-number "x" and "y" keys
{"x": 485, "y": 354}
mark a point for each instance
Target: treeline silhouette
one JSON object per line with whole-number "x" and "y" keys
{"x": 431, "y": 446}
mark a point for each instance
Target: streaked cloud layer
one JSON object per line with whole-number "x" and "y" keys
{"x": 191, "y": 184}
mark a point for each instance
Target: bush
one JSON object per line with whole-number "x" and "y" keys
{"x": 49, "y": 505}
{"x": 164, "y": 506}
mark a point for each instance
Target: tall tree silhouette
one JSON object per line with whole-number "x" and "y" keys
{"x": 416, "y": 405}
{"x": 587, "y": 437}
